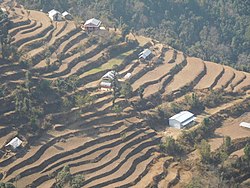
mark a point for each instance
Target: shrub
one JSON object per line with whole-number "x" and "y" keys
{"x": 170, "y": 146}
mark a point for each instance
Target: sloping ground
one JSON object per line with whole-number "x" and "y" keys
{"x": 188, "y": 74}
{"x": 213, "y": 74}
{"x": 244, "y": 85}
{"x": 111, "y": 150}
{"x": 239, "y": 77}
{"x": 173, "y": 173}
{"x": 226, "y": 78}
{"x": 230, "y": 128}
{"x": 156, "y": 73}
{"x": 157, "y": 87}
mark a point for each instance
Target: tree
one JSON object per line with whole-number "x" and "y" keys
{"x": 63, "y": 177}
{"x": 116, "y": 89}
{"x": 140, "y": 92}
{"x": 84, "y": 100}
{"x": 117, "y": 109}
{"x": 170, "y": 146}
{"x": 125, "y": 30}
{"x": 126, "y": 90}
{"x": 28, "y": 77}
{"x": 195, "y": 183}
{"x": 247, "y": 152}
{"x": 205, "y": 151}
{"x": 6, "y": 185}
{"x": 77, "y": 181}
{"x": 227, "y": 143}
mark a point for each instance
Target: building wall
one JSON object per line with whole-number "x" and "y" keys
{"x": 175, "y": 124}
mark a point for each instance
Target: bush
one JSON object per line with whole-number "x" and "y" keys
{"x": 170, "y": 146}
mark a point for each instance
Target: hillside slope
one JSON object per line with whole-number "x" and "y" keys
{"x": 112, "y": 147}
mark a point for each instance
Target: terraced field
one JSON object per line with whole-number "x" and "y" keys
{"x": 109, "y": 149}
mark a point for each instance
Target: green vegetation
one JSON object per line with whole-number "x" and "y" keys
{"x": 217, "y": 31}
{"x": 65, "y": 179}
{"x": 205, "y": 151}
{"x": 170, "y": 146}
{"x": 84, "y": 100}
{"x": 6, "y": 185}
{"x": 126, "y": 90}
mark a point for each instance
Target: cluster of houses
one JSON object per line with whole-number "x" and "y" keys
{"x": 107, "y": 79}
{"x": 92, "y": 24}
{"x": 58, "y": 16}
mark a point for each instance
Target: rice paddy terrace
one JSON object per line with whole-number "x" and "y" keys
{"x": 110, "y": 150}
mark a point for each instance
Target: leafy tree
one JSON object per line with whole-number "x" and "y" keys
{"x": 125, "y": 30}
{"x": 6, "y": 185}
{"x": 63, "y": 177}
{"x": 84, "y": 100}
{"x": 170, "y": 146}
{"x": 126, "y": 90}
{"x": 140, "y": 92}
{"x": 117, "y": 109}
{"x": 28, "y": 80}
{"x": 227, "y": 143}
{"x": 195, "y": 183}
{"x": 77, "y": 181}
{"x": 247, "y": 152}
{"x": 205, "y": 151}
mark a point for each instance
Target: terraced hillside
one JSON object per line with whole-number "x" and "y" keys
{"x": 110, "y": 148}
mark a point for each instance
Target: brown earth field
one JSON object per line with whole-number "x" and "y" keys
{"x": 109, "y": 148}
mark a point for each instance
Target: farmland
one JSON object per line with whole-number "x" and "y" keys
{"x": 109, "y": 148}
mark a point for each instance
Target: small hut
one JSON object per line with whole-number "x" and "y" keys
{"x": 55, "y": 15}
{"x": 67, "y": 16}
{"x": 14, "y": 143}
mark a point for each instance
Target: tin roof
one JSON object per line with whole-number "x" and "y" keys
{"x": 65, "y": 13}
{"x": 145, "y": 53}
{"x": 109, "y": 75}
{"x": 15, "y": 142}
{"x": 53, "y": 12}
{"x": 183, "y": 117}
{"x": 244, "y": 124}
{"x": 93, "y": 21}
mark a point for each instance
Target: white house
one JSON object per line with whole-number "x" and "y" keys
{"x": 55, "y": 15}
{"x": 127, "y": 76}
{"x": 109, "y": 75}
{"x": 4, "y": 9}
{"x": 92, "y": 24}
{"x": 106, "y": 81}
{"x": 244, "y": 124}
{"x": 144, "y": 54}
{"x": 66, "y": 15}
{"x": 14, "y": 143}
{"x": 181, "y": 119}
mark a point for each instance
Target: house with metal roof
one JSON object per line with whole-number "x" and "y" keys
{"x": 14, "y": 143}
{"x": 109, "y": 75}
{"x": 245, "y": 125}
{"x": 181, "y": 119}
{"x": 66, "y": 15}
{"x": 92, "y": 24}
{"x": 144, "y": 54}
{"x": 55, "y": 15}
{"x": 107, "y": 80}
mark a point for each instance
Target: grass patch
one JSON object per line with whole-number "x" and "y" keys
{"x": 114, "y": 61}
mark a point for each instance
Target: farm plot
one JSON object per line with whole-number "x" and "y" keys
{"x": 156, "y": 73}
{"x": 230, "y": 128}
{"x": 226, "y": 78}
{"x": 110, "y": 149}
{"x": 188, "y": 74}
{"x": 213, "y": 74}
